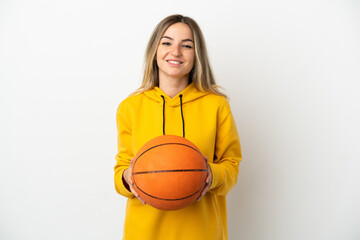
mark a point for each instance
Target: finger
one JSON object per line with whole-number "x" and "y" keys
{"x": 130, "y": 172}
{"x": 137, "y": 195}
{"x": 208, "y": 179}
{"x": 132, "y": 189}
{"x": 131, "y": 163}
{"x": 142, "y": 201}
{"x": 202, "y": 194}
{"x": 131, "y": 179}
{"x": 206, "y": 188}
{"x": 131, "y": 185}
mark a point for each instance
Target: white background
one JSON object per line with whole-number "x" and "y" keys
{"x": 291, "y": 69}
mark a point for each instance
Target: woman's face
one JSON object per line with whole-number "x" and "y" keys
{"x": 175, "y": 55}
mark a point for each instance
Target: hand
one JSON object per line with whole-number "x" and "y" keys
{"x": 127, "y": 176}
{"x": 208, "y": 180}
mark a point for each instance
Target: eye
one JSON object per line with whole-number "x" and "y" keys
{"x": 187, "y": 46}
{"x": 166, "y": 43}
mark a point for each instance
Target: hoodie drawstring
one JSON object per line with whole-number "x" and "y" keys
{"x": 163, "y": 114}
{"x": 182, "y": 115}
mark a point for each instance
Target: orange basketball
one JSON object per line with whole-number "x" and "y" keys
{"x": 169, "y": 172}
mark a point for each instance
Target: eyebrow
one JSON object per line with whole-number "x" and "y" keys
{"x": 184, "y": 40}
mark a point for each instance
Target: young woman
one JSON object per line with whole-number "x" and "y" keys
{"x": 178, "y": 96}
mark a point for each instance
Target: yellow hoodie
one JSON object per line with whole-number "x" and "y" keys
{"x": 207, "y": 121}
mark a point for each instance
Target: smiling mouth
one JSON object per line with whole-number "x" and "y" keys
{"x": 174, "y": 62}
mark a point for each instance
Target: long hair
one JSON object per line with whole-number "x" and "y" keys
{"x": 201, "y": 73}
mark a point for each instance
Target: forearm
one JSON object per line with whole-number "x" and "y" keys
{"x": 224, "y": 175}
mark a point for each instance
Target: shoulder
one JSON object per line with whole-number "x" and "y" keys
{"x": 130, "y": 102}
{"x": 218, "y": 101}
{"x": 219, "y": 105}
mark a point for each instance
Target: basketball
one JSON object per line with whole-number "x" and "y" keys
{"x": 169, "y": 172}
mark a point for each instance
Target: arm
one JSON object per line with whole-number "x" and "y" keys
{"x": 225, "y": 166}
{"x": 125, "y": 153}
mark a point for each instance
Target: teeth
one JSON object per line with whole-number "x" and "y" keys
{"x": 174, "y": 62}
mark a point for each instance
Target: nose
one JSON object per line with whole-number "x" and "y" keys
{"x": 176, "y": 50}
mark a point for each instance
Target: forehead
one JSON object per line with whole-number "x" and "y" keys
{"x": 179, "y": 30}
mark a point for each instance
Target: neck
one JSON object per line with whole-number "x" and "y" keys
{"x": 173, "y": 86}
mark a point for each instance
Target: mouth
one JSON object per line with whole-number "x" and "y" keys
{"x": 176, "y": 62}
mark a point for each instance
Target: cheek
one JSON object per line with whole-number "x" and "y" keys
{"x": 157, "y": 55}
{"x": 160, "y": 52}
{"x": 192, "y": 59}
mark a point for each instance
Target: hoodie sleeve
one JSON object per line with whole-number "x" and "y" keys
{"x": 125, "y": 153}
{"x": 225, "y": 166}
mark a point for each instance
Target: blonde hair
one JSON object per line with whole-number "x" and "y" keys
{"x": 201, "y": 73}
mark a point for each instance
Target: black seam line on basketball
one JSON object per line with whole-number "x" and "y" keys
{"x": 176, "y": 170}
{"x": 167, "y": 144}
{"x": 163, "y": 144}
{"x": 170, "y": 199}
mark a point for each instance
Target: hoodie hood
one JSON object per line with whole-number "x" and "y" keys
{"x": 190, "y": 93}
